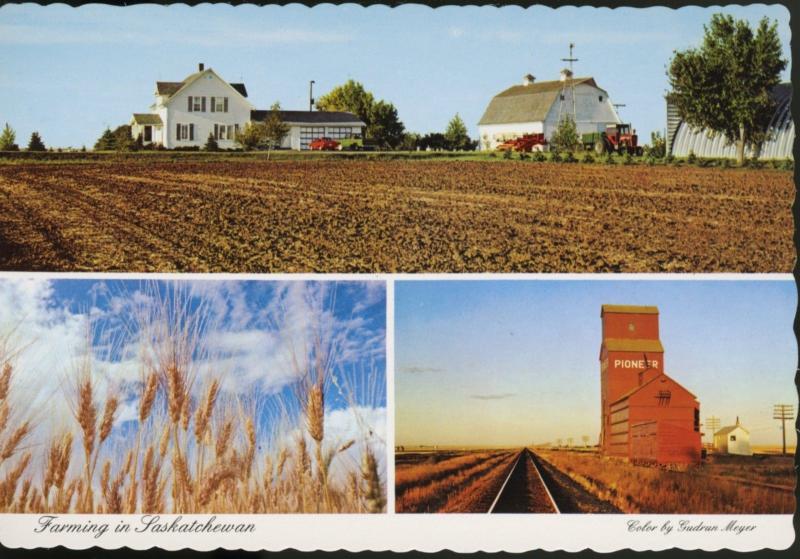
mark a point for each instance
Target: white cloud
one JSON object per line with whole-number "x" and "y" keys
{"x": 456, "y": 32}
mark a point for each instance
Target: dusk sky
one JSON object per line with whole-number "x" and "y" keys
{"x": 69, "y": 73}
{"x": 516, "y": 362}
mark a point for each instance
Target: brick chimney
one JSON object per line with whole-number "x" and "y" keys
{"x": 528, "y": 79}
{"x": 201, "y": 67}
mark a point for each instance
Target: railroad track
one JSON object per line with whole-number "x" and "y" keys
{"x": 524, "y": 489}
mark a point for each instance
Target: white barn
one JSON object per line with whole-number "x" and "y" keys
{"x": 185, "y": 113}
{"x": 733, "y": 439}
{"x": 535, "y": 107}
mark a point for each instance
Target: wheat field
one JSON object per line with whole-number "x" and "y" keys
{"x": 192, "y": 446}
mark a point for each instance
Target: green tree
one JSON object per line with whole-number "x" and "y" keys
{"x": 565, "y": 137}
{"x": 658, "y": 145}
{"x": 383, "y": 125}
{"x": 251, "y": 136}
{"x": 36, "y": 143}
{"x": 7, "y": 139}
{"x": 724, "y": 85}
{"x": 456, "y": 134}
{"x": 433, "y": 141}
{"x": 123, "y": 138}
{"x": 106, "y": 142}
{"x": 410, "y": 141}
{"x": 349, "y": 97}
{"x": 211, "y": 143}
{"x": 275, "y": 129}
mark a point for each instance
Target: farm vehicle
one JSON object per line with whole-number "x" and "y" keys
{"x": 617, "y": 138}
{"x": 525, "y": 143}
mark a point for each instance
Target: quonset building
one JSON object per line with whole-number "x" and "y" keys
{"x": 647, "y": 416}
{"x": 683, "y": 139}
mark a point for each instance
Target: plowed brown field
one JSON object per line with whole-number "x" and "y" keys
{"x": 392, "y": 216}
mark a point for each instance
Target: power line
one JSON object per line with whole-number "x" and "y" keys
{"x": 713, "y": 425}
{"x": 782, "y": 412}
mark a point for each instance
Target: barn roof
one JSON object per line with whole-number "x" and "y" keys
{"x": 311, "y": 117}
{"x": 526, "y": 103}
{"x": 629, "y": 344}
{"x": 649, "y": 382}
{"x": 147, "y": 119}
{"x": 628, "y": 309}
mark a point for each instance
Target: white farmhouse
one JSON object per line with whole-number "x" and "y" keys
{"x": 186, "y": 112}
{"x": 733, "y": 439}
{"x": 536, "y": 107}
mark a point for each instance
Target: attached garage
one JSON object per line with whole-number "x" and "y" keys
{"x": 307, "y": 126}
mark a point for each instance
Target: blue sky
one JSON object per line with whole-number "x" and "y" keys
{"x": 515, "y": 362}
{"x": 252, "y": 333}
{"x": 69, "y": 73}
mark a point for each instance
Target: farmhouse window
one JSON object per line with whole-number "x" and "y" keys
{"x": 219, "y": 104}
{"x": 198, "y": 104}
{"x": 600, "y": 98}
{"x": 733, "y": 438}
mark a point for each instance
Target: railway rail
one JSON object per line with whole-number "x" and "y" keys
{"x": 524, "y": 489}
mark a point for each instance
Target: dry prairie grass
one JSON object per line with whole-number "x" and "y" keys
{"x": 458, "y": 484}
{"x": 194, "y": 449}
{"x": 644, "y": 489}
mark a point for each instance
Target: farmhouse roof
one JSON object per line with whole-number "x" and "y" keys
{"x": 629, "y": 344}
{"x": 527, "y": 103}
{"x": 730, "y": 428}
{"x": 147, "y": 119}
{"x": 169, "y": 89}
{"x": 662, "y": 376}
{"x": 311, "y": 117}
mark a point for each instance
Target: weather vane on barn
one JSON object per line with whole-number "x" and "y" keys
{"x": 568, "y": 82}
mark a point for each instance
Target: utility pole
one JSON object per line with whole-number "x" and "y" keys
{"x": 713, "y": 424}
{"x": 618, "y": 106}
{"x": 311, "y": 96}
{"x": 782, "y": 412}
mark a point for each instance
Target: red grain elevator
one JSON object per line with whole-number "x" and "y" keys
{"x": 647, "y": 416}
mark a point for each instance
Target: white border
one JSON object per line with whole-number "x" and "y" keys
{"x": 422, "y": 532}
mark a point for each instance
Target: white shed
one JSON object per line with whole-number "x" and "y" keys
{"x": 535, "y": 108}
{"x": 733, "y": 439}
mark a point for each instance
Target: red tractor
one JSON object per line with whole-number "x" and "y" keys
{"x": 525, "y": 143}
{"x": 617, "y": 138}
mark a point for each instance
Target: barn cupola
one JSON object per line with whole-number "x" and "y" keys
{"x": 566, "y": 74}
{"x": 528, "y": 79}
